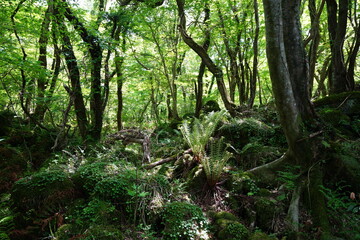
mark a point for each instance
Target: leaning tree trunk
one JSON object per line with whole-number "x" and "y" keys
{"x": 213, "y": 68}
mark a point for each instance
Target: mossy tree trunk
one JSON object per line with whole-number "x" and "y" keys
{"x": 289, "y": 77}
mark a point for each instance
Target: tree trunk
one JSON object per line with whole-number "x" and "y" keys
{"x": 200, "y": 85}
{"x": 74, "y": 75}
{"x": 288, "y": 72}
{"x": 42, "y": 79}
{"x": 95, "y": 52}
{"x": 337, "y": 23}
{"x": 254, "y": 77}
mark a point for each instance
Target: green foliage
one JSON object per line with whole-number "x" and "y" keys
{"x": 243, "y": 183}
{"x": 343, "y": 211}
{"x": 215, "y": 163}
{"x": 183, "y": 221}
{"x": 6, "y": 217}
{"x": 289, "y": 177}
{"x": 199, "y": 134}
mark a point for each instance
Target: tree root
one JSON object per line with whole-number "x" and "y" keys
{"x": 268, "y": 172}
{"x": 166, "y": 160}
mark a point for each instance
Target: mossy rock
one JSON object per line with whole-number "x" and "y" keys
{"x": 182, "y": 221}
{"x": 225, "y": 215}
{"x": 233, "y": 231}
{"x": 345, "y": 164}
{"x": 266, "y": 211}
{"x": 261, "y": 236}
{"x": 211, "y": 106}
{"x": 12, "y": 165}
{"x": 227, "y": 226}
{"x": 243, "y": 183}
{"x": 347, "y": 102}
{"x": 48, "y": 188}
{"x": 334, "y": 117}
{"x": 104, "y": 232}
{"x": 196, "y": 179}
{"x": 240, "y": 132}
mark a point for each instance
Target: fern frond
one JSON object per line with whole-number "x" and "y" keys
{"x": 198, "y": 136}
{"x": 215, "y": 163}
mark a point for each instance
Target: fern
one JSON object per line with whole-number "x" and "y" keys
{"x": 198, "y": 136}
{"x": 215, "y": 163}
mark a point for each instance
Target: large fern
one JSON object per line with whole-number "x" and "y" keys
{"x": 198, "y": 136}
{"x": 215, "y": 163}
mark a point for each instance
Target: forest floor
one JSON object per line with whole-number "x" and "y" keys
{"x": 148, "y": 184}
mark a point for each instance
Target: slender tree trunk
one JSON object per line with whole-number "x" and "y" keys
{"x": 42, "y": 79}
{"x": 213, "y": 68}
{"x": 352, "y": 58}
{"x": 200, "y": 85}
{"x": 74, "y": 75}
{"x": 254, "y": 77}
{"x": 119, "y": 61}
{"x": 315, "y": 39}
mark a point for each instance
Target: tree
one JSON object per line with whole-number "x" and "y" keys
{"x": 289, "y": 77}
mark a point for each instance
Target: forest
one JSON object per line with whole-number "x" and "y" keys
{"x": 179, "y": 119}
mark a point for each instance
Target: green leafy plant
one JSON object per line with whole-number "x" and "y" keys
{"x": 199, "y": 135}
{"x": 215, "y": 163}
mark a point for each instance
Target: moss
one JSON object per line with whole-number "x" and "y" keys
{"x": 211, "y": 106}
{"x": 347, "y": 102}
{"x": 104, "y": 232}
{"x": 334, "y": 117}
{"x": 261, "y": 236}
{"x": 225, "y": 215}
{"x": 266, "y": 211}
{"x": 42, "y": 188}
{"x": 240, "y": 132}
{"x": 182, "y": 220}
{"x": 233, "y": 231}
